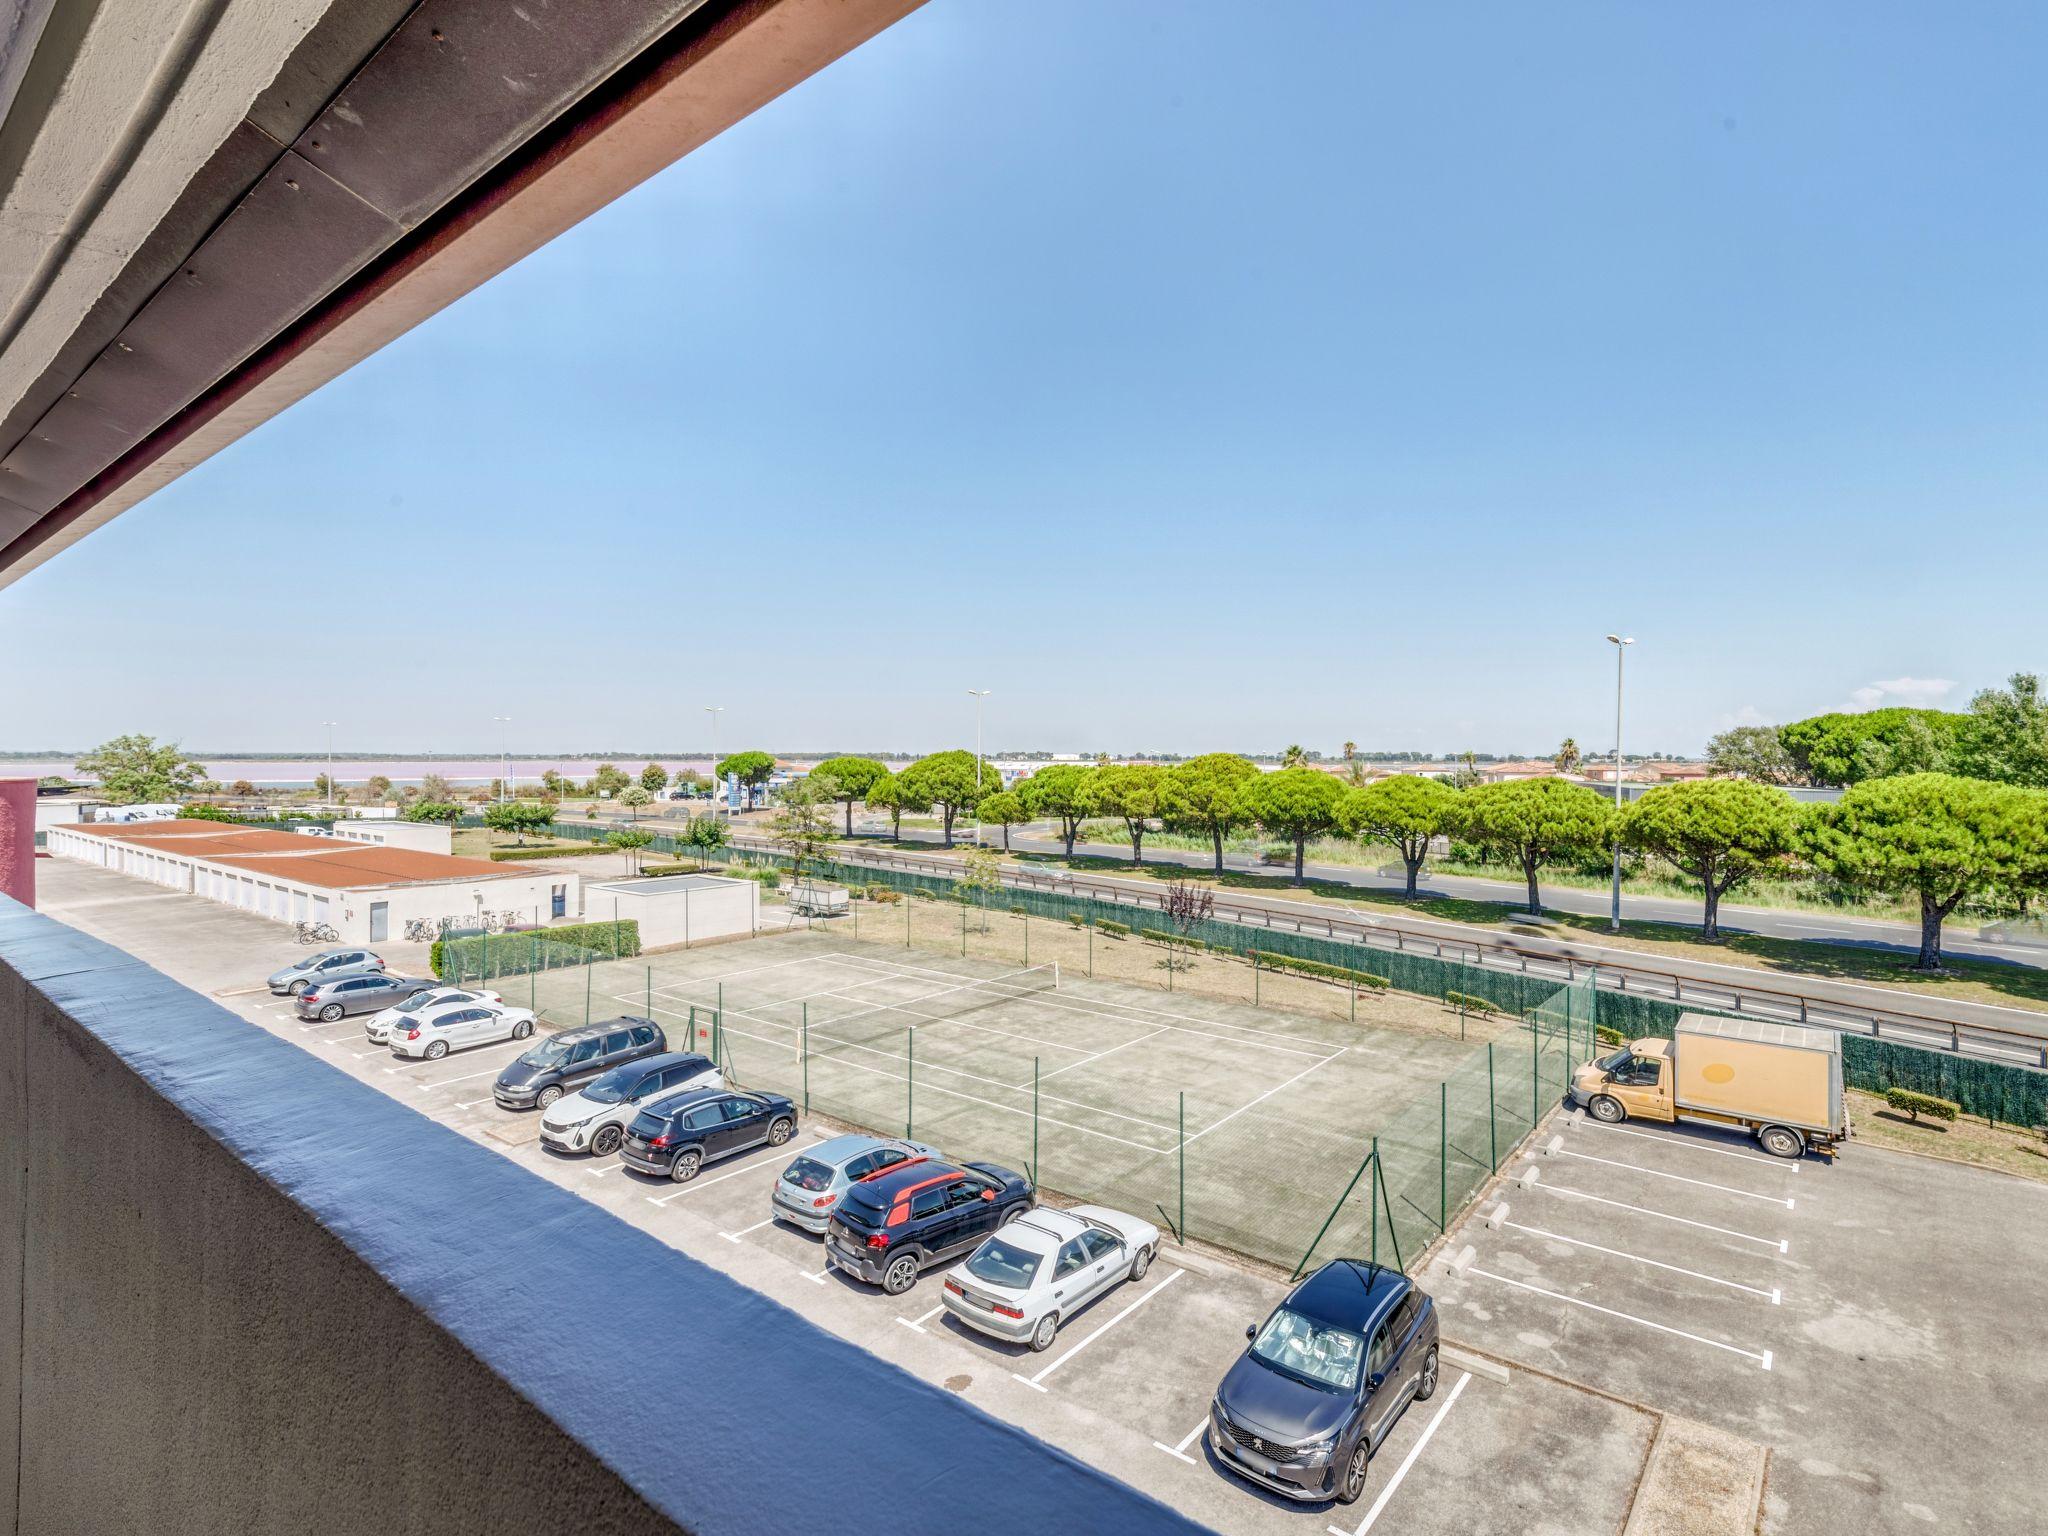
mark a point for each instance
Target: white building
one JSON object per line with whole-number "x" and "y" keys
{"x": 367, "y": 894}
{"x": 678, "y": 909}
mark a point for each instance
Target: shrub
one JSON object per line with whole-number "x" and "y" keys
{"x": 1171, "y": 938}
{"x": 1320, "y": 971}
{"x": 1111, "y": 930}
{"x": 1607, "y": 1034}
{"x": 1917, "y": 1104}
{"x": 525, "y": 855}
{"x": 1018, "y": 912}
{"x": 1471, "y": 1004}
{"x": 516, "y": 954}
{"x": 886, "y": 895}
{"x": 1077, "y": 920}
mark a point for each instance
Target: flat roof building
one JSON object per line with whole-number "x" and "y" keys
{"x": 366, "y": 893}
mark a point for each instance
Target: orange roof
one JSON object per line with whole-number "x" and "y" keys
{"x": 250, "y": 842}
{"x": 179, "y": 826}
{"x": 360, "y": 865}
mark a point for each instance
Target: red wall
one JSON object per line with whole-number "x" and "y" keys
{"x": 18, "y": 840}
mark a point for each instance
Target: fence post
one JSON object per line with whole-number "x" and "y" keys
{"x": 1492, "y": 1128}
{"x": 1091, "y": 947}
{"x": 1034, "y": 1120}
{"x": 1183, "y": 1165}
{"x": 963, "y": 933}
{"x": 650, "y": 991}
{"x": 909, "y": 1080}
{"x": 1535, "y": 1070}
{"x": 586, "y": 989}
{"x": 1443, "y": 1156}
{"x": 1255, "y": 978}
{"x": 1375, "y": 1161}
{"x": 807, "y": 1058}
{"x": 1027, "y": 938}
{"x": 906, "y": 922}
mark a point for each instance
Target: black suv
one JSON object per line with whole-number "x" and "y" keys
{"x": 1326, "y": 1377}
{"x": 894, "y": 1224}
{"x": 678, "y": 1136}
{"x": 573, "y": 1057}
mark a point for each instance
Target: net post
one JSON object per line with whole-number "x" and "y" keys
{"x": 1055, "y": 975}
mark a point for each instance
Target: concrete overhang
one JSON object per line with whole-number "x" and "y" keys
{"x": 208, "y": 209}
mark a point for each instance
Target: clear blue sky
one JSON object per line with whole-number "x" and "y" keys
{"x": 1192, "y": 376}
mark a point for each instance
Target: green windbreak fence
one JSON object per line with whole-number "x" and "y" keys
{"x": 2005, "y": 1093}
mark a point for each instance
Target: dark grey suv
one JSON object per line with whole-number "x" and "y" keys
{"x": 1326, "y": 1377}
{"x": 566, "y": 1061}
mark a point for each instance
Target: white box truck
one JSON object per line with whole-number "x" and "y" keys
{"x": 1780, "y": 1082}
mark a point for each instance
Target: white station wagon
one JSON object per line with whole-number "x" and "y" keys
{"x": 434, "y": 1032}
{"x": 1032, "y": 1275}
{"x": 380, "y": 1025}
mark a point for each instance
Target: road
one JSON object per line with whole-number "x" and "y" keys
{"x": 1813, "y": 927}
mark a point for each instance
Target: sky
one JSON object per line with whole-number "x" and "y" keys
{"x": 1190, "y": 376}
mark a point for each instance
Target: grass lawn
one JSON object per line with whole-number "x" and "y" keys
{"x": 477, "y": 842}
{"x": 1968, "y": 1140}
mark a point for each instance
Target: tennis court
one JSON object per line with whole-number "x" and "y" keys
{"x": 1233, "y": 1125}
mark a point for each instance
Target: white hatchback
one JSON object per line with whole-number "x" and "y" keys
{"x": 455, "y": 1026}
{"x": 1032, "y": 1275}
{"x": 380, "y": 1025}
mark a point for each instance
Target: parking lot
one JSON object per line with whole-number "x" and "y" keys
{"x": 1125, "y": 1387}
{"x": 1856, "y": 1318}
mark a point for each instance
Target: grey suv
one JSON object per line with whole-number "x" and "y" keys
{"x": 327, "y": 965}
{"x": 370, "y": 993}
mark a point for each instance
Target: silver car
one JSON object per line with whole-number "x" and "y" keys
{"x": 810, "y": 1188}
{"x": 326, "y": 965}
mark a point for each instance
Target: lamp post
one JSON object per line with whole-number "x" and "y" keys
{"x": 330, "y": 724}
{"x": 977, "y": 694}
{"x": 714, "y": 711}
{"x": 505, "y": 757}
{"x": 1621, "y": 645}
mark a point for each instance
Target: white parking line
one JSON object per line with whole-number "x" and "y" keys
{"x": 1686, "y": 1144}
{"x": 450, "y": 1082}
{"x": 1763, "y": 1359}
{"x": 1038, "y": 1381}
{"x": 1782, "y": 1244}
{"x": 917, "y": 1326}
{"x": 1772, "y": 1296}
{"x": 720, "y": 1179}
{"x": 1407, "y": 1461}
{"x": 819, "y": 1277}
{"x": 733, "y": 1237}
{"x": 1655, "y": 1173}
{"x": 1181, "y": 1451}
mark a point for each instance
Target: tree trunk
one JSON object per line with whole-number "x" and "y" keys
{"x": 849, "y": 818}
{"x": 1529, "y": 871}
{"x": 1300, "y": 853}
{"x": 1216, "y": 831}
{"x": 1070, "y": 826}
{"x": 1710, "y": 930}
{"x": 1931, "y": 914}
{"x": 1414, "y": 869}
{"x": 1138, "y": 843}
{"x": 896, "y": 824}
{"x": 1006, "y": 837}
{"x": 946, "y": 819}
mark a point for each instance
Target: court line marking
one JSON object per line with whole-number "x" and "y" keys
{"x": 1407, "y": 1461}
{"x": 1102, "y": 1009}
{"x": 940, "y": 1018}
{"x": 1658, "y": 1173}
{"x": 1763, "y": 1359}
{"x": 1787, "y": 1164}
{"x": 1772, "y": 1295}
{"x": 1205, "y": 1130}
{"x": 1140, "y": 1040}
{"x": 1038, "y": 1381}
{"x": 1782, "y": 1244}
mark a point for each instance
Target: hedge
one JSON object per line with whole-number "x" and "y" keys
{"x": 1471, "y": 1004}
{"x": 523, "y": 855}
{"x": 1917, "y": 1104}
{"x": 1272, "y": 961}
{"x": 1113, "y": 930}
{"x": 515, "y": 954}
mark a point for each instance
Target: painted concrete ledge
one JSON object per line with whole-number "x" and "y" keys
{"x": 241, "y": 1292}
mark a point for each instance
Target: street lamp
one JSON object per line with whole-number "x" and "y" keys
{"x": 714, "y": 711}
{"x": 330, "y": 724}
{"x": 978, "y": 694}
{"x": 505, "y": 760}
{"x": 1621, "y": 645}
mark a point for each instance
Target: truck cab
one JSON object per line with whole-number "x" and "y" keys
{"x": 1636, "y": 1080}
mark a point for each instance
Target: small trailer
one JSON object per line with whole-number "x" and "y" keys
{"x": 815, "y": 900}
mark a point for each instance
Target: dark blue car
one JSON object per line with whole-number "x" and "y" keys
{"x": 1325, "y": 1379}
{"x": 676, "y": 1137}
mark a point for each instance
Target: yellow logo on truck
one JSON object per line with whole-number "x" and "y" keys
{"x": 1718, "y": 1072}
